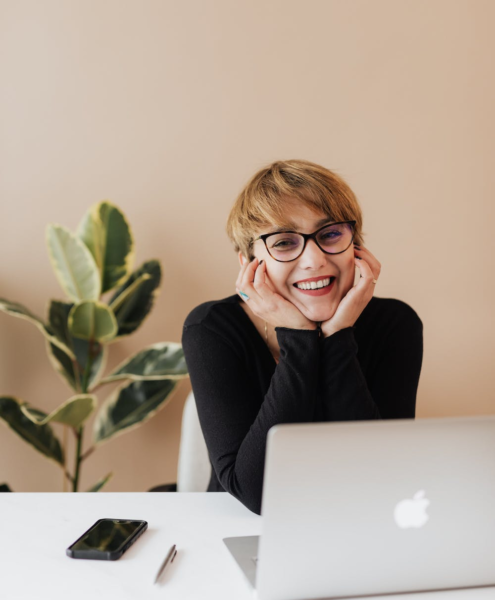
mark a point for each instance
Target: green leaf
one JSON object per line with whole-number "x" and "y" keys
{"x": 130, "y": 405}
{"x": 97, "y": 487}
{"x": 92, "y": 321}
{"x": 72, "y": 370}
{"x": 17, "y": 310}
{"x": 58, "y": 318}
{"x": 73, "y": 264}
{"x": 64, "y": 366}
{"x": 119, "y": 300}
{"x": 4, "y": 488}
{"x": 41, "y": 437}
{"x": 106, "y": 233}
{"x": 131, "y": 310}
{"x": 164, "y": 360}
{"x": 74, "y": 412}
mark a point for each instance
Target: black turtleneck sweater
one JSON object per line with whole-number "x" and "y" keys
{"x": 368, "y": 371}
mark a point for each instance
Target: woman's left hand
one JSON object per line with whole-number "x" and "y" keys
{"x": 356, "y": 299}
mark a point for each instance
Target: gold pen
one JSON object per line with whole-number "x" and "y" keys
{"x": 171, "y": 554}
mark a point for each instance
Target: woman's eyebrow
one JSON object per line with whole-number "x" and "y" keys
{"x": 293, "y": 226}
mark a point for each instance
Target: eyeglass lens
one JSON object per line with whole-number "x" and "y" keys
{"x": 288, "y": 246}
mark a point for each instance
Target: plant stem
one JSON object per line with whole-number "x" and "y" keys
{"x": 64, "y": 447}
{"x": 79, "y": 431}
{"x": 79, "y": 434}
{"x": 88, "y": 453}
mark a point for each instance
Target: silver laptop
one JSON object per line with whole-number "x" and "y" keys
{"x": 374, "y": 507}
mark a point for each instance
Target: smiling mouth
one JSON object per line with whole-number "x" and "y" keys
{"x": 315, "y": 285}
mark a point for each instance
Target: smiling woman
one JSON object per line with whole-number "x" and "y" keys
{"x": 298, "y": 342}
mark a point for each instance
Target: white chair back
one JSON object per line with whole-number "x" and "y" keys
{"x": 194, "y": 469}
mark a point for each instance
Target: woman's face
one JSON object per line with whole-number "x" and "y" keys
{"x": 312, "y": 263}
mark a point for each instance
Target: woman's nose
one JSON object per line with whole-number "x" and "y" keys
{"x": 313, "y": 256}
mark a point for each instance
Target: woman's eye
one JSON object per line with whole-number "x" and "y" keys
{"x": 283, "y": 243}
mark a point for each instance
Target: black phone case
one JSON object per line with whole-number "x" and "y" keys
{"x": 99, "y": 554}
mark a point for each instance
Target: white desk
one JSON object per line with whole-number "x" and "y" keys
{"x": 35, "y": 530}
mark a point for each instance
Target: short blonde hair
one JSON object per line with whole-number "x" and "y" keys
{"x": 264, "y": 200}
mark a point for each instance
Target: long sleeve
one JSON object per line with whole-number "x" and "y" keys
{"x": 394, "y": 362}
{"x": 343, "y": 392}
{"x": 234, "y": 421}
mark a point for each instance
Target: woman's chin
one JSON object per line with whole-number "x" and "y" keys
{"x": 317, "y": 313}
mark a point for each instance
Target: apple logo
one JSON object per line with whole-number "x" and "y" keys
{"x": 412, "y": 513}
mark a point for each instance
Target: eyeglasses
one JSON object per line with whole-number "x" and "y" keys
{"x": 286, "y": 246}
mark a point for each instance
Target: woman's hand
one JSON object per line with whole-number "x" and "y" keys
{"x": 264, "y": 300}
{"x": 356, "y": 299}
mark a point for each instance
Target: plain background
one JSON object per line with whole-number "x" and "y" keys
{"x": 166, "y": 108}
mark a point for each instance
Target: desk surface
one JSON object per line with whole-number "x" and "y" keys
{"x": 37, "y": 528}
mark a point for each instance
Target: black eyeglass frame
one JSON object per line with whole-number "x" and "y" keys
{"x": 307, "y": 236}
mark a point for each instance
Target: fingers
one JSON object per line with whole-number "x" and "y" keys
{"x": 246, "y": 279}
{"x": 242, "y": 270}
{"x": 254, "y": 282}
{"x": 259, "y": 275}
{"x": 365, "y": 284}
{"x": 370, "y": 259}
{"x": 242, "y": 273}
{"x": 261, "y": 282}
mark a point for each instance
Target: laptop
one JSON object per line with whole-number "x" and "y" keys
{"x": 374, "y": 507}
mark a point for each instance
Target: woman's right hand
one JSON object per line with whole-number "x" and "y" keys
{"x": 265, "y": 302}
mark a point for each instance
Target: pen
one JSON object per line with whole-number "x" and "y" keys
{"x": 171, "y": 554}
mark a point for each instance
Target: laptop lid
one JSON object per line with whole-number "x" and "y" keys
{"x": 374, "y": 507}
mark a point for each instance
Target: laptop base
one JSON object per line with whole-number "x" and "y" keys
{"x": 245, "y": 552}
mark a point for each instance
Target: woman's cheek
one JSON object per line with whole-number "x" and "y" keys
{"x": 348, "y": 280}
{"x": 272, "y": 283}
{"x": 276, "y": 283}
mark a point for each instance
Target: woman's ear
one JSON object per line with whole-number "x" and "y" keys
{"x": 242, "y": 260}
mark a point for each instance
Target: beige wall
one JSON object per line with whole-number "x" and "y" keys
{"x": 167, "y": 107}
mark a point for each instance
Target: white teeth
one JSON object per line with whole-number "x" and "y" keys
{"x": 313, "y": 285}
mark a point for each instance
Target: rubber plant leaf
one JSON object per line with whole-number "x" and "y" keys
{"x": 73, "y": 264}
{"x": 72, "y": 370}
{"x": 99, "y": 484}
{"x": 130, "y": 405}
{"x": 17, "y": 310}
{"x": 164, "y": 360}
{"x": 92, "y": 321}
{"x": 74, "y": 412}
{"x": 132, "y": 307}
{"x": 106, "y": 233}
{"x": 41, "y": 437}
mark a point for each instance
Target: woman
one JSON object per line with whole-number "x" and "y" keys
{"x": 298, "y": 342}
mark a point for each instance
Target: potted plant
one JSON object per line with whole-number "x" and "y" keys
{"x": 94, "y": 260}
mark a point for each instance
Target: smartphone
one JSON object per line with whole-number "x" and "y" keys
{"x": 107, "y": 539}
